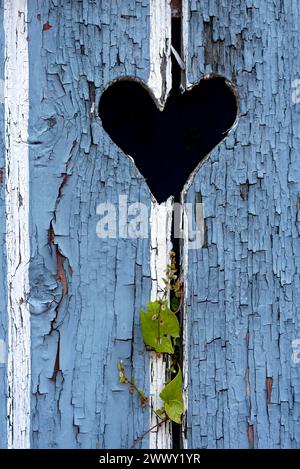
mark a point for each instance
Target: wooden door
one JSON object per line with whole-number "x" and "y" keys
{"x": 71, "y": 299}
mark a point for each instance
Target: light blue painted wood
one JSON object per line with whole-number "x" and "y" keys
{"x": 90, "y": 317}
{"x": 244, "y": 287}
{"x": 3, "y": 290}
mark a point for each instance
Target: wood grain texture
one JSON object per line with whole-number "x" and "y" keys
{"x": 243, "y": 287}
{"x": 86, "y": 292}
{"x": 161, "y": 229}
{"x": 3, "y": 290}
{"x": 17, "y": 223}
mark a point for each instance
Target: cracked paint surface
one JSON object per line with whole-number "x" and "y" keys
{"x": 243, "y": 287}
{"x": 3, "y": 290}
{"x": 86, "y": 292}
{"x": 161, "y": 227}
{"x": 16, "y": 106}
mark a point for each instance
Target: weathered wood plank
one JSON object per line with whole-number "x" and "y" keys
{"x": 86, "y": 292}
{"x": 16, "y": 106}
{"x": 3, "y": 296}
{"x": 161, "y": 228}
{"x": 243, "y": 286}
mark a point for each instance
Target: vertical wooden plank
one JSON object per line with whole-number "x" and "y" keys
{"x": 161, "y": 227}
{"x": 16, "y": 89}
{"x": 243, "y": 285}
{"x": 160, "y": 83}
{"x": 3, "y": 296}
{"x": 160, "y": 76}
{"x": 86, "y": 291}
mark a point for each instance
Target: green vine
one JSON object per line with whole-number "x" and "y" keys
{"x": 161, "y": 331}
{"x": 123, "y": 379}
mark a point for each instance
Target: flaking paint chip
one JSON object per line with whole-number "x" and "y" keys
{"x": 47, "y": 26}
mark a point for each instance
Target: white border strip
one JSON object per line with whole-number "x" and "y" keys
{"x": 160, "y": 84}
{"x": 160, "y": 79}
{"x": 185, "y": 40}
{"x": 161, "y": 227}
{"x": 17, "y": 225}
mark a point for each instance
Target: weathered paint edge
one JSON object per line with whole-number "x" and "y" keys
{"x": 185, "y": 41}
{"x": 161, "y": 226}
{"x": 160, "y": 79}
{"x": 159, "y": 84}
{"x": 17, "y": 224}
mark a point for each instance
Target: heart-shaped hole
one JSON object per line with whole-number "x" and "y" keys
{"x": 168, "y": 145}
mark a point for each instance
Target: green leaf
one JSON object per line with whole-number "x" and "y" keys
{"x": 161, "y": 413}
{"x": 158, "y": 324}
{"x": 177, "y": 342}
{"x": 120, "y": 365}
{"x": 173, "y": 391}
{"x": 174, "y": 410}
{"x": 172, "y": 397}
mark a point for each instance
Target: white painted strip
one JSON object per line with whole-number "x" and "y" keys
{"x": 2, "y": 352}
{"x": 160, "y": 79}
{"x": 178, "y": 58}
{"x": 160, "y": 84}
{"x": 185, "y": 40}
{"x": 161, "y": 226}
{"x": 17, "y": 226}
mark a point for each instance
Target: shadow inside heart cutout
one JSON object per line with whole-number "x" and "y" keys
{"x": 168, "y": 145}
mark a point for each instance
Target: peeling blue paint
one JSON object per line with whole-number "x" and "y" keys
{"x": 74, "y": 167}
{"x": 3, "y": 296}
{"x": 244, "y": 287}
